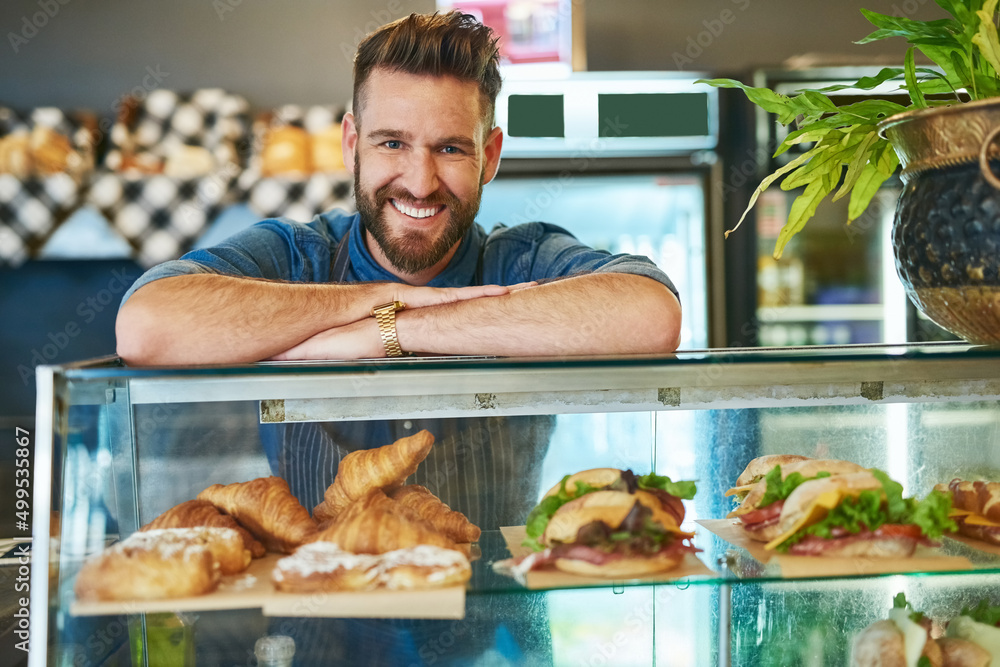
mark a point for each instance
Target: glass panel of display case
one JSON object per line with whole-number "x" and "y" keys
{"x": 117, "y": 446}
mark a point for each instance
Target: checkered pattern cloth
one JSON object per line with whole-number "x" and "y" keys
{"x": 32, "y": 208}
{"x": 299, "y": 199}
{"x": 161, "y": 215}
{"x": 296, "y": 197}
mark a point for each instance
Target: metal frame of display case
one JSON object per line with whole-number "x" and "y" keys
{"x": 485, "y": 386}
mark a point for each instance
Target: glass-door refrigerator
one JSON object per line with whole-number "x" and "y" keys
{"x": 627, "y": 163}
{"x": 835, "y": 283}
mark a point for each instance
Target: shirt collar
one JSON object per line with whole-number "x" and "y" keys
{"x": 460, "y": 272}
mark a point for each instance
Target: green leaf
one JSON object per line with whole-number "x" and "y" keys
{"x": 954, "y": 7}
{"x": 983, "y": 612}
{"x": 829, "y": 162}
{"x": 803, "y": 209}
{"x": 779, "y": 489}
{"x": 869, "y": 181}
{"x": 866, "y": 82}
{"x": 911, "y": 81}
{"x": 862, "y": 154}
{"x": 766, "y": 99}
{"x": 986, "y": 37}
{"x": 539, "y": 516}
{"x": 685, "y": 490}
{"x": 766, "y": 183}
{"x": 898, "y": 26}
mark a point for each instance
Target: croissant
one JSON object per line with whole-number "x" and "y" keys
{"x": 384, "y": 467}
{"x": 376, "y": 530}
{"x": 197, "y": 513}
{"x": 267, "y": 508}
{"x": 434, "y": 511}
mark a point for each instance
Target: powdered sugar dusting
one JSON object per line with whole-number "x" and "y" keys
{"x": 323, "y": 557}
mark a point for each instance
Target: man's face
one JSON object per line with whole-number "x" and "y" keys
{"x": 421, "y": 158}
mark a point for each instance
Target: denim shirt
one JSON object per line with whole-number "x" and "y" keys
{"x": 282, "y": 249}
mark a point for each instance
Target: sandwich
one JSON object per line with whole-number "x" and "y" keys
{"x": 859, "y": 514}
{"x": 902, "y": 639}
{"x": 610, "y": 523}
{"x": 758, "y": 468}
{"x": 972, "y": 639}
{"x": 975, "y": 508}
{"x": 761, "y": 502}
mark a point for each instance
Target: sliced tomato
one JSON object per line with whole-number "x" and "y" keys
{"x": 899, "y": 530}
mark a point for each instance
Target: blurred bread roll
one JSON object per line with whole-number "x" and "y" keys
{"x": 287, "y": 151}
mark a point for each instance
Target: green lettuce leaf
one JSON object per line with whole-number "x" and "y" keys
{"x": 779, "y": 489}
{"x": 685, "y": 490}
{"x": 983, "y": 612}
{"x": 539, "y": 516}
{"x": 873, "y": 508}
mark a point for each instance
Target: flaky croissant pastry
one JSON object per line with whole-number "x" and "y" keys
{"x": 151, "y": 566}
{"x": 196, "y": 513}
{"x": 384, "y": 468}
{"x": 434, "y": 511}
{"x": 383, "y": 528}
{"x": 267, "y": 508}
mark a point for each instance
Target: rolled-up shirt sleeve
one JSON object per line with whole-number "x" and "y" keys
{"x": 272, "y": 249}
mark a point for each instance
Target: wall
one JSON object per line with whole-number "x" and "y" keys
{"x": 89, "y": 52}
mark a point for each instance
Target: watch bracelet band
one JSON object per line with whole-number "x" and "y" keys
{"x": 386, "y": 319}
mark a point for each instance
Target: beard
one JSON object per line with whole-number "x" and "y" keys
{"x": 412, "y": 251}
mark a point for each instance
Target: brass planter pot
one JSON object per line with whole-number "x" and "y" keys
{"x": 946, "y": 233}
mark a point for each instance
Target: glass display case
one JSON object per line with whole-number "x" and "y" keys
{"x": 116, "y": 446}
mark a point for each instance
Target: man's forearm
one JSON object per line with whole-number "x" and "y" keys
{"x": 592, "y": 314}
{"x": 208, "y": 318}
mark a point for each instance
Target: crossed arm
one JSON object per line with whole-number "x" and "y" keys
{"x": 215, "y": 319}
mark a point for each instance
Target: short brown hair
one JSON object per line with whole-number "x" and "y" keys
{"x": 454, "y": 44}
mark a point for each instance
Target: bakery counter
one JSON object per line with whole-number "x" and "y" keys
{"x": 117, "y": 447}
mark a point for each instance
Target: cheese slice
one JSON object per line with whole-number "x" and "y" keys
{"x": 914, "y": 636}
{"x": 817, "y": 511}
{"x": 971, "y": 518}
{"x": 740, "y": 489}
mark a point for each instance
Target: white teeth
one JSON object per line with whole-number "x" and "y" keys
{"x": 414, "y": 212}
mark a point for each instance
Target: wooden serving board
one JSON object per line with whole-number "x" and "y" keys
{"x": 691, "y": 566}
{"x": 253, "y": 589}
{"x": 925, "y": 559}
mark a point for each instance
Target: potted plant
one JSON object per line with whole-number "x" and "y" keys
{"x": 946, "y": 235}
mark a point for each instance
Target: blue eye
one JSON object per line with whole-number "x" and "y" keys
{"x": 392, "y": 144}
{"x": 451, "y": 150}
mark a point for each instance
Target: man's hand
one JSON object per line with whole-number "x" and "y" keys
{"x": 420, "y": 297}
{"x": 357, "y": 340}
{"x": 361, "y": 339}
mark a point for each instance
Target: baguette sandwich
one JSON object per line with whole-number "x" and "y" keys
{"x": 762, "y": 502}
{"x": 610, "y": 523}
{"x": 975, "y": 508}
{"x": 859, "y": 514}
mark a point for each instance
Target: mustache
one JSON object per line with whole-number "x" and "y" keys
{"x": 387, "y": 192}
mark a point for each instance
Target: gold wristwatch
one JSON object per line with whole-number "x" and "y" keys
{"x": 385, "y": 315}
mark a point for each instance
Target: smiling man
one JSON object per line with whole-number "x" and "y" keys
{"x": 410, "y": 272}
{"x": 422, "y": 144}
